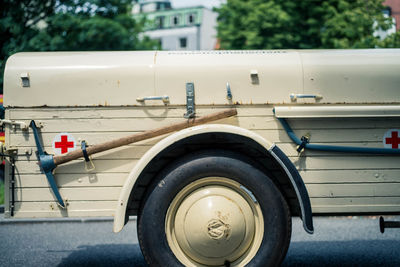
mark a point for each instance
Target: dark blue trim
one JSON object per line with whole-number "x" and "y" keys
{"x": 84, "y": 152}
{"x": 347, "y": 149}
{"x": 36, "y": 135}
{"x": 299, "y": 186}
{"x": 47, "y": 164}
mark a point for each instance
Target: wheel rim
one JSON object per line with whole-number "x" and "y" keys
{"x": 213, "y": 221}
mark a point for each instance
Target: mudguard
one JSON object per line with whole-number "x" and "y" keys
{"x": 281, "y": 158}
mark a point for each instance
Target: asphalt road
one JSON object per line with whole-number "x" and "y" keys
{"x": 336, "y": 242}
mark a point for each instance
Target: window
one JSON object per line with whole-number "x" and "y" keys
{"x": 191, "y": 18}
{"x": 183, "y": 42}
{"x": 149, "y": 7}
{"x": 175, "y": 20}
{"x": 387, "y": 11}
{"x": 163, "y": 6}
{"x": 160, "y": 22}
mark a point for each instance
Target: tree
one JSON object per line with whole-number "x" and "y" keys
{"x": 277, "y": 24}
{"x": 69, "y": 25}
{"x": 71, "y": 32}
{"x": 392, "y": 41}
{"x": 18, "y": 20}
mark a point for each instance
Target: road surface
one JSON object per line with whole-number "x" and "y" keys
{"x": 337, "y": 242}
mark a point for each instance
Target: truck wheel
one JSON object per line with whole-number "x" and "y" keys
{"x": 214, "y": 208}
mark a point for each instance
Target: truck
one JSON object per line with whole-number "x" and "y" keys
{"x": 213, "y": 151}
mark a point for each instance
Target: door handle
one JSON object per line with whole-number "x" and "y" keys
{"x": 294, "y": 97}
{"x": 164, "y": 98}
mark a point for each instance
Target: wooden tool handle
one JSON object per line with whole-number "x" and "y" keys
{"x": 143, "y": 136}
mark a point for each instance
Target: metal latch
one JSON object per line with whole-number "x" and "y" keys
{"x": 190, "y": 106}
{"x": 254, "y": 77}
{"x": 25, "y": 82}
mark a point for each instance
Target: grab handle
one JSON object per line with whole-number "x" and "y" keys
{"x": 294, "y": 97}
{"x": 164, "y": 98}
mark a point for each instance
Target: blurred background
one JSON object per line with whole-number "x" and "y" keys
{"x": 83, "y": 25}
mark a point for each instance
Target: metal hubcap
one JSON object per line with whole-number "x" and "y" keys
{"x": 213, "y": 221}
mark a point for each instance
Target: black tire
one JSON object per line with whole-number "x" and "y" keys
{"x": 276, "y": 235}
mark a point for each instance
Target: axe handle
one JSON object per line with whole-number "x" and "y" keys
{"x": 143, "y": 136}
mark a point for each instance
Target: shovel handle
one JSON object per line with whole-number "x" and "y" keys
{"x": 143, "y": 136}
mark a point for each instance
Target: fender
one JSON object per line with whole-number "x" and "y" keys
{"x": 286, "y": 164}
{"x": 299, "y": 187}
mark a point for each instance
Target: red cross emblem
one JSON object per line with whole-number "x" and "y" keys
{"x": 63, "y": 143}
{"x": 391, "y": 139}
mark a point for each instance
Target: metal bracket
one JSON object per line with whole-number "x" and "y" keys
{"x": 190, "y": 105}
{"x": 12, "y": 151}
{"x": 21, "y": 124}
{"x": 228, "y": 92}
{"x": 305, "y": 139}
{"x": 46, "y": 164}
{"x": 89, "y": 166}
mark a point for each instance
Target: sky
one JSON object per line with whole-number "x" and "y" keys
{"x": 186, "y": 3}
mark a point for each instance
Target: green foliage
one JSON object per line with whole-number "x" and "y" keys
{"x": 17, "y": 25}
{"x": 392, "y": 41}
{"x": 277, "y": 24}
{"x": 69, "y": 25}
{"x": 69, "y": 32}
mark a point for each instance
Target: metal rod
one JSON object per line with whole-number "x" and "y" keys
{"x": 12, "y": 206}
{"x": 345, "y": 149}
{"x": 143, "y": 136}
{"x": 387, "y": 224}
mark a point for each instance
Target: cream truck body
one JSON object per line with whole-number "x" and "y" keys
{"x": 333, "y": 97}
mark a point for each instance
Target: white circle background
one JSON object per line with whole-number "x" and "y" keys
{"x": 57, "y": 138}
{"x": 388, "y": 134}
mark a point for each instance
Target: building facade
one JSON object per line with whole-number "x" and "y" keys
{"x": 394, "y": 11}
{"x": 191, "y": 28}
